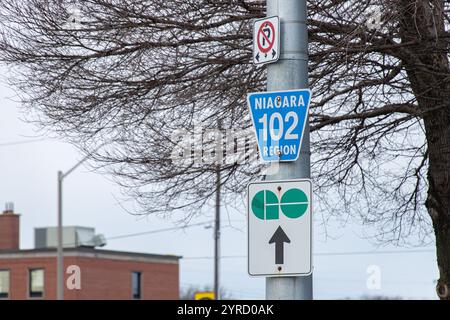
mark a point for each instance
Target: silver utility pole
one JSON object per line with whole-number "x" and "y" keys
{"x": 217, "y": 238}
{"x": 60, "y": 251}
{"x": 219, "y": 162}
{"x": 60, "y": 254}
{"x": 291, "y": 72}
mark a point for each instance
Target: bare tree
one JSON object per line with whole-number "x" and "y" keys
{"x": 188, "y": 292}
{"x": 133, "y": 72}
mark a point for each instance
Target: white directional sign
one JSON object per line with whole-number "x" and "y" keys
{"x": 266, "y": 40}
{"x": 280, "y": 228}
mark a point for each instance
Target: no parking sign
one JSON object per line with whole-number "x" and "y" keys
{"x": 266, "y": 40}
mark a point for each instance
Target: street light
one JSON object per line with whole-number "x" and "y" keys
{"x": 60, "y": 255}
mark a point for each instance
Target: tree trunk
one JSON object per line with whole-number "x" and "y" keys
{"x": 442, "y": 231}
{"x": 427, "y": 66}
{"x": 438, "y": 201}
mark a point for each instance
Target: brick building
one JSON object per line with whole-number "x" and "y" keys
{"x": 102, "y": 274}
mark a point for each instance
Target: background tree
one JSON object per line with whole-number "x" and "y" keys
{"x": 188, "y": 293}
{"x": 132, "y": 72}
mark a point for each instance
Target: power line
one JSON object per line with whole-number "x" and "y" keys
{"x": 209, "y": 257}
{"x": 349, "y": 253}
{"x": 16, "y": 143}
{"x": 129, "y": 235}
{"x": 159, "y": 231}
{"x": 374, "y": 252}
{"x": 343, "y": 253}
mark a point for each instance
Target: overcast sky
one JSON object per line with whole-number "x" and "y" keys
{"x": 28, "y": 178}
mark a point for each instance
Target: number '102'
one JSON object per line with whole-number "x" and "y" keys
{"x": 277, "y": 134}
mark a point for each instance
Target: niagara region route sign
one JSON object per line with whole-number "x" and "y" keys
{"x": 280, "y": 228}
{"x": 279, "y": 120}
{"x": 266, "y": 40}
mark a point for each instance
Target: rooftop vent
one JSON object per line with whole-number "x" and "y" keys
{"x": 73, "y": 237}
{"x": 9, "y": 208}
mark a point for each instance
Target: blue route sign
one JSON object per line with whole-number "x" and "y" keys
{"x": 279, "y": 119}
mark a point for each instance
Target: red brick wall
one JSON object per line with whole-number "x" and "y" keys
{"x": 111, "y": 279}
{"x": 100, "y": 278}
{"x": 9, "y": 231}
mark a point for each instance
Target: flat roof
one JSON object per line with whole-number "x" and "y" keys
{"x": 90, "y": 253}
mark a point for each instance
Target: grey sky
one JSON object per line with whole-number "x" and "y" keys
{"x": 28, "y": 178}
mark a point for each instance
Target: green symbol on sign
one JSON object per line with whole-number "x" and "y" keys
{"x": 294, "y": 203}
{"x": 266, "y": 206}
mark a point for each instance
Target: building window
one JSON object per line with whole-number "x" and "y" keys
{"x": 136, "y": 284}
{"x": 4, "y": 284}
{"x": 36, "y": 283}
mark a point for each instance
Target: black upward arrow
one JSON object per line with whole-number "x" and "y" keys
{"x": 279, "y": 238}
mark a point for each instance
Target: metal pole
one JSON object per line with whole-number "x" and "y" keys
{"x": 60, "y": 253}
{"x": 217, "y": 238}
{"x": 60, "y": 256}
{"x": 291, "y": 72}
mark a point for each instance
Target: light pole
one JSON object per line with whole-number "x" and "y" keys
{"x": 60, "y": 253}
{"x": 291, "y": 72}
{"x": 217, "y": 237}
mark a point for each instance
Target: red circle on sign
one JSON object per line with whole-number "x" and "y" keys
{"x": 262, "y": 35}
